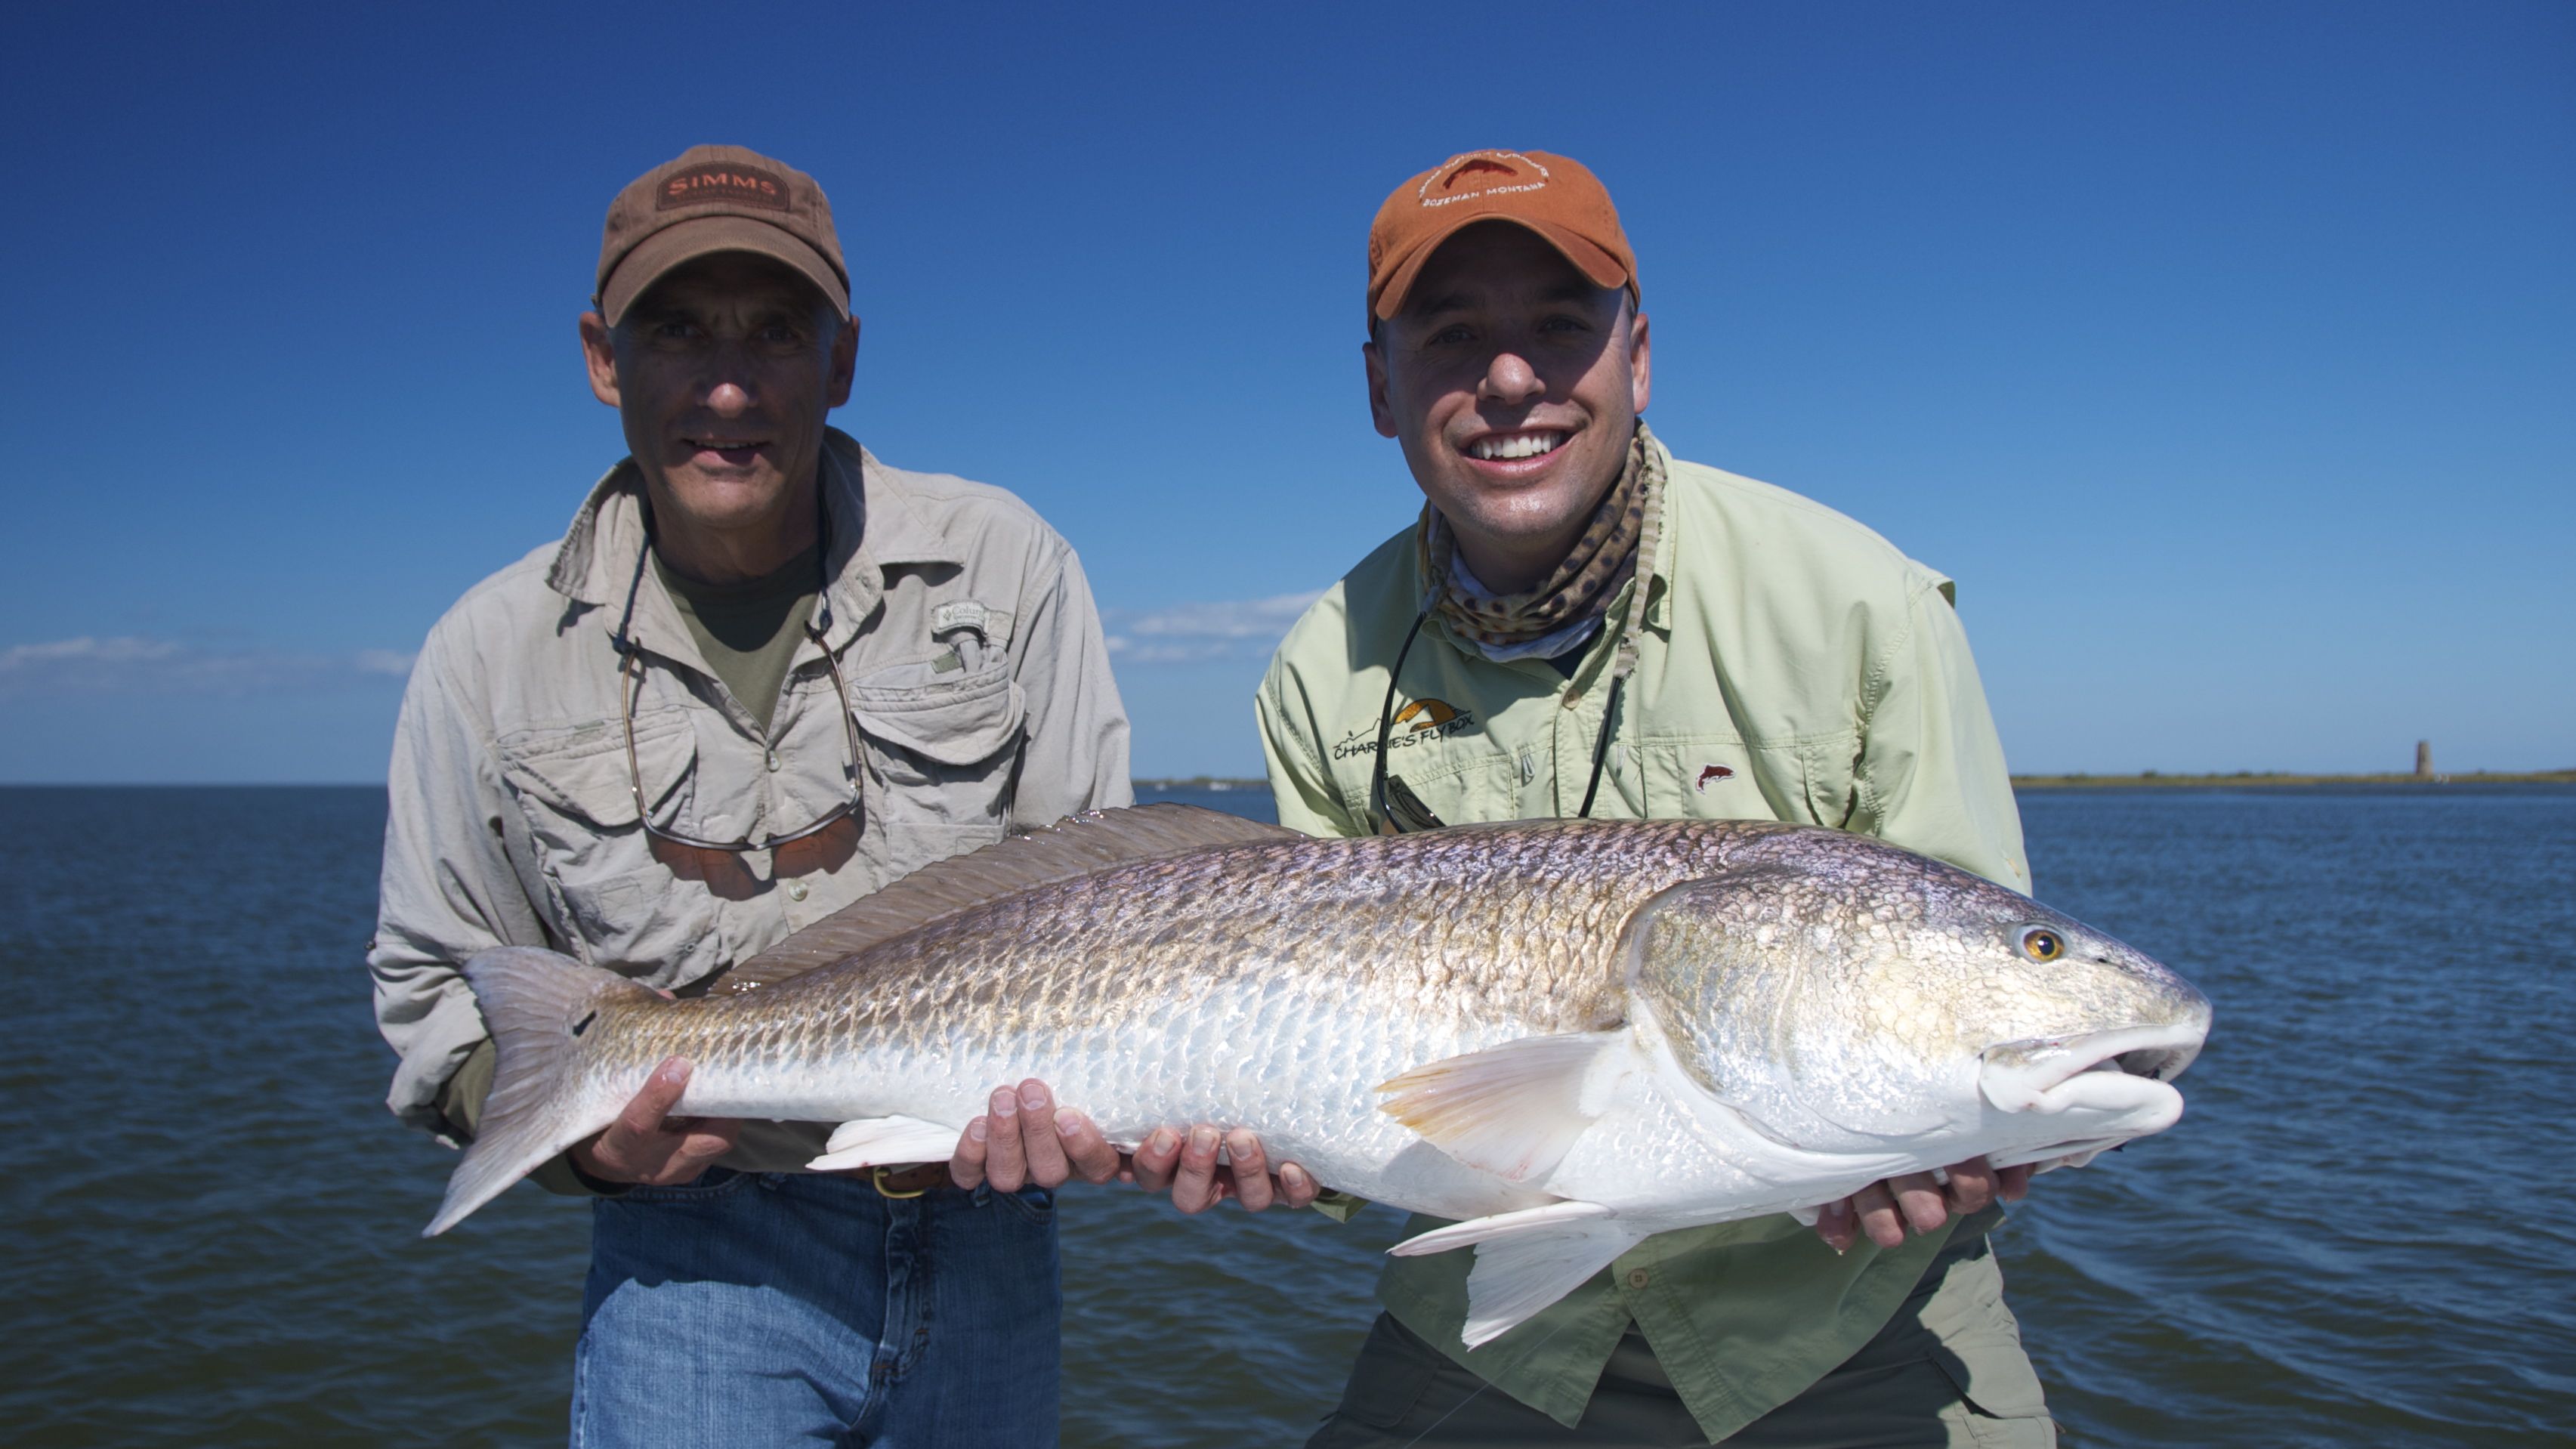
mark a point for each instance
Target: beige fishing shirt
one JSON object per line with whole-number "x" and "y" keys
{"x": 1795, "y": 667}
{"x": 977, "y": 675}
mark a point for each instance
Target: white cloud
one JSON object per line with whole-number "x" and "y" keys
{"x": 127, "y": 664}
{"x": 1193, "y": 633}
{"x": 396, "y": 662}
{"x": 83, "y": 650}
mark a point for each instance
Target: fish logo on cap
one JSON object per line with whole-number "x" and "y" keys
{"x": 1481, "y": 173}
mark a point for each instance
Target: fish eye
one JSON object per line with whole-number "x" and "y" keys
{"x": 2042, "y": 944}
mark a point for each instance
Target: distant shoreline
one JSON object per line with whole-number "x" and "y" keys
{"x": 2157, "y": 780}
{"x": 2147, "y": 779}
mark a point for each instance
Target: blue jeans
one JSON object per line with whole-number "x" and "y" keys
{"x": 775, "y": 1308}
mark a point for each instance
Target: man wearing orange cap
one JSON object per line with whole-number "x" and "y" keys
{"x": 1579, "y": 623}
{"x": 763, "y": 674}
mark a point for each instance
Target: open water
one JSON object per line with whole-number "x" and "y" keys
{"x": 2360, "y": 1235}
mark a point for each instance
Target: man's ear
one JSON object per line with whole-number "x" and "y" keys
{"x": 845, "y": 362}
{"x": 1380, "y": 412}
{"x": 599, "y": 355}
{"x": 1640, "y": 362}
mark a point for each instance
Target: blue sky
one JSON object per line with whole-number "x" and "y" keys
{"x": 2225, "y": 354}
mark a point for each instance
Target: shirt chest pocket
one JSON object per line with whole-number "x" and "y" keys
{"x": 614, "y": 899}
{"x": 1722, "y": 777}
{"x": 943, "y": 748}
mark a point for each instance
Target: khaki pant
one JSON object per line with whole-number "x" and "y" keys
{"x": 1908, "y": 1387}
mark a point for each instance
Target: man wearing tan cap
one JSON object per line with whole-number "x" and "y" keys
{"x": 1580, "y": 623}
{"x": 762, "y": 675}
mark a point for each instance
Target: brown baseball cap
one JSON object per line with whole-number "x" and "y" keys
{"x": 1550, "y": 195}
{"x": 716, "y": 199}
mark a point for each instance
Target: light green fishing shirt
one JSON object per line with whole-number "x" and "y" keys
{"x": 1795, "y": 666}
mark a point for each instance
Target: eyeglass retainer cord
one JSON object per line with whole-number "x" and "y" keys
{"x": 1386, "y": 724}
{"x": 630, "y": 655}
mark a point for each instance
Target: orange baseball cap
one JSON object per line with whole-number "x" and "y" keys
{"x": 1551, "y": 195}
{"x": 716, "y": 199}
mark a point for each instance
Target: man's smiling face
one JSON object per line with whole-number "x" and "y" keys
{"x": 721, "y": 374}
{"x": 1513, "y": 384}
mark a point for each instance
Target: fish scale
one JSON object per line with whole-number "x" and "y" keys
{"x": 1491, "y": 947}
{"x": 1570, "y": 1033}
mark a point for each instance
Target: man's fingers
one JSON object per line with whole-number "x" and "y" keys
{"x": 1194, "y": 1185}
{"x": 694, "y": 1151}
{"x": 966, "y": 1164}
{"x": 2012, "y": 1182}
{"x": 1874, "y": 1208}
{"x": 710, "y": 1138}
{"x": 588, "y": 1157}
{"x": 1972, "y": 1186}
{"x": 1251, "y": 1169}
{"x": 1297, "y": 1188}
{"x": 1039, "y": 1142}
{"x": 1156, "y": 1161}
{"x": 643, "y": 1113}
{"x": 1084, "y": 1147}
{"x": 637, "y": 1147}
{"x": 1006, "y": 1164}
{"x": 1837, "y": 1226}
{"x": 1920, "y": 1198}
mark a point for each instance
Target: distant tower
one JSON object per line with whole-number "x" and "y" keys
{"x": 2423, "y": 759}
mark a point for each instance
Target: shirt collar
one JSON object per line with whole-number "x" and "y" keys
{"x": 1659, "y": 569}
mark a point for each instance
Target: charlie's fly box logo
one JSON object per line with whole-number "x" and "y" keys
{"x": 1424, "y": 719}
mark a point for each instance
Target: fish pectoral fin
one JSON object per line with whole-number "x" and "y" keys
{"x": 1512, "y": 1110}
{"x": 2063, "y": 1154}
{"x": 877, "y": 1141}
{"x": 1527, "y": 1260}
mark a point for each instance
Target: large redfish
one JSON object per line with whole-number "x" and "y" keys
{"x": 1570, "y": 1034}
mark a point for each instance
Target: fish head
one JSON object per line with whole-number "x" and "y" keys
{"x": 1842, "y": 993}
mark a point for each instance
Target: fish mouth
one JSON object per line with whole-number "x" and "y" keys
{"x": 2124, "y": 1072}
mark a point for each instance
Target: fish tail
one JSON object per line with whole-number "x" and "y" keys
{"x": 536, "y": 1005}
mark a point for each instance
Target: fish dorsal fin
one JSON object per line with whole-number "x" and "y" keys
{"x": 1075, "y": 846}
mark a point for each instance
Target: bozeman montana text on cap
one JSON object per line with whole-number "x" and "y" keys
{"x": 1557, "y": 198}
{"x": 716, "y": 199}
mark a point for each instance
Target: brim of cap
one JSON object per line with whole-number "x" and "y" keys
{"x": 1593, "y": 262}
{"x": 686, "y": 241}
